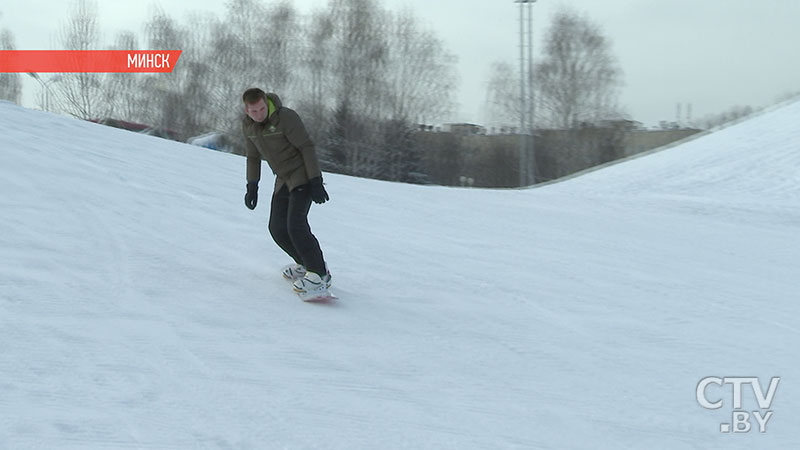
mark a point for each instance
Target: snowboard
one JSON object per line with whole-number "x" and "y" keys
{"x": 317, "y": 297}
{"x": 324, "y": 297}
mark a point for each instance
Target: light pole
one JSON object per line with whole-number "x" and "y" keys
{"x": 46, "y": 87}
{"x": 527, "y": 156}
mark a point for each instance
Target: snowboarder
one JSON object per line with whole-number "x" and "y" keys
{"x": 276, "y": 134}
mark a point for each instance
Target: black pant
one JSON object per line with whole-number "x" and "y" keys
{"x": 288, "y": 225}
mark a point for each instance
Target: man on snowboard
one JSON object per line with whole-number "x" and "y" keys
{"x": 275, "y": 133}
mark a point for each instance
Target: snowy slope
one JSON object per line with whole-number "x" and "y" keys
{"x": 141, "y": 304}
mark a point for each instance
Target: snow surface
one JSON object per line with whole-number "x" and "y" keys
{"x": 141, "y": 304}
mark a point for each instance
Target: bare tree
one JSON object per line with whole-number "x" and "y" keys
{"x": 80, "y": 94}
{"x": 199, "y": 76}
{"x": 282, "y": 48}
{"x": 502, "y": 104}
{"x": 235, "y": 60}
{"x": 421, "y": 72}
{"x": 358, "y": 84}
{"x": 163, "y": 32}
{"x": 578, "y": 79}
{"x": 238, "y": 43}
{"x": 385, "y": 72}
{"x": 121, "y": 91}
{"x": 229, "y": 48}
{"x": 10, "y": 83}
{"x": 576, "y": 87}
{"x": 315, "y": 59}
{"x": 361, "y": 55}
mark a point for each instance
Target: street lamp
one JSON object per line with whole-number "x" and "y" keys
{"x": 46, "y": 86}
{"x": 526, "y": 109}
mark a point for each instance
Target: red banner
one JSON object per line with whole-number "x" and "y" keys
{"x": 88, "y": 60}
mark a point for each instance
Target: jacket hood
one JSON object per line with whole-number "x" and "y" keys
{"x": 276, "y": 103}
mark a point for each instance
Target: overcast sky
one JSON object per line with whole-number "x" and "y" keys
{"x": 712, "y": 53}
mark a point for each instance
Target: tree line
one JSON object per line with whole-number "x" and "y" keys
{"x": 10, "y": 83}
{"x": 360, "y": 75}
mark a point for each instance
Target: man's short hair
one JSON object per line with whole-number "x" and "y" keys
{"x": 253, "y": 95}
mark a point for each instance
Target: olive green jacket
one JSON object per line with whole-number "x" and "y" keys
{"x": 281, "y": 140}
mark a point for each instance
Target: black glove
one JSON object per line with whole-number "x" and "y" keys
{"x": 318, "y": 193}
{"x": 251, "y": 198}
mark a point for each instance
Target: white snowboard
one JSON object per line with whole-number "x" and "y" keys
{"x": 317, "y": 297}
